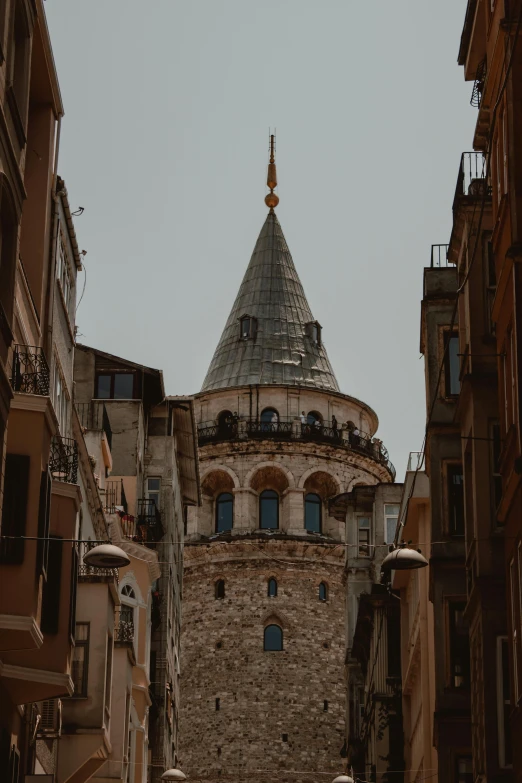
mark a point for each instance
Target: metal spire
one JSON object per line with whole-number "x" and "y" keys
{"x": 272, "y": 199}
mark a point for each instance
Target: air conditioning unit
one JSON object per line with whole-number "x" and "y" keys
{"x": 50, "y": 718}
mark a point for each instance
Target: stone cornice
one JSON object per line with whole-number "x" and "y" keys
{"x": 257, "y": 548}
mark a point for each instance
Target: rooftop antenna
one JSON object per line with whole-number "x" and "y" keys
{"x": 272, "y": 199}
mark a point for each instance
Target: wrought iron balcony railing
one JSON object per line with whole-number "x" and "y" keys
{"x": 146, "y": 527}
{"x": 87, "y": 571}
{"x": 471, "y": 180}
{"x": 93, "y": 416}
{"x": 63, "y": 459}
{"x": 29, "y": 370}
{"x": 115, "y": 499}
{"x": 439, "y": 256}
{"x": 124, "y": 625}
{"x": 293, "y": 429}
{"x": 478, "y": 86}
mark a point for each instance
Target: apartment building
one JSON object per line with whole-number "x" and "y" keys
{"x": 491, "y": 54}
{"x": 374, "y": 707}
{"x": 154, "y": 479}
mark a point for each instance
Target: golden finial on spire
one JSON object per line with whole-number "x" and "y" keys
{"x": 271, "y": 199}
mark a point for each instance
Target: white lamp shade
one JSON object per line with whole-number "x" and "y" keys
{"x": 403, "y": 559}
{"x": 106, "y": 556}
{"x": 173, "y": 774}
{"x": 343, "y": 779}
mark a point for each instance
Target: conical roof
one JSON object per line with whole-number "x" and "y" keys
{"x": 282, "y": 348}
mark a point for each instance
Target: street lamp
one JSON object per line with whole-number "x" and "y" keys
{"x": 108, "y": 556}
{"x": 174, "y": 774}
{"x": 343, "y": 779}
{"x": 402, "y": 558}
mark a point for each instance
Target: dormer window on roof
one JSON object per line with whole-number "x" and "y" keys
{"x": 247, "y": 327}
{"x": 313, "y": 330}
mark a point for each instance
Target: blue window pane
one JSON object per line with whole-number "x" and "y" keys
{"x": 313, "y": 513}
{"x": 322, "y": 592}
{"x": 103, "y": 392}
{"x": 273, "y": 638}
{"x": 224, "y": 513}
{"x": 123, "y": 386}
{"x": 272, "y": 588}
{"x": 269, "y": 510}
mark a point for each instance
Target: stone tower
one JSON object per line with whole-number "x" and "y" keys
{"x": 264, "y": 616}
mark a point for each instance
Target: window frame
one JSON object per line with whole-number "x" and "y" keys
{"x": 84, "y": 644}
{"x": 452, "y": 604}
{"x": 252, "y": 327}
{"x": 61, "y": 398}
{"x": 314, "y": 332}
{"x": 269, "y": 649}
{"x": 272, "y": 581}
{"x": 219, "y": 587}
{"x": 318, "y": 502}
{"x": 150, "y": 494}
{"x": 503, "y": 704}
{"x": 361, "y": 529}
{"x": 447, "y": 466}
{"x": 264, "y": 496}
{"x": 112, "y": 374}
{"x": 447, "y": 336}
{"x": 218, "y": 502}
{"x": 388, "y": 516}
{"x": 323, "y": 587}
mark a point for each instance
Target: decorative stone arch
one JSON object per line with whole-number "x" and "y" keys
{"x": 270, "y": 471}
{"x": 276, "y": 618}
{"x": 129, "y": 580}
{"x": 326, "y": 483}
{"x": 224, "y": 480}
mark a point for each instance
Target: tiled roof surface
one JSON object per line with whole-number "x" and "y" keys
{"x": 282, "y": 351}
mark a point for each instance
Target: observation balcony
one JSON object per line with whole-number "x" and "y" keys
{"x": 30, "y": 371}
{"x": 63, "y": 459}
{"x": 291, "y": 429}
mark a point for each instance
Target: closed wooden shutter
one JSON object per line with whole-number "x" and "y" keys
{"x": 51, "y": 591}
{"x": 14, "y": 507}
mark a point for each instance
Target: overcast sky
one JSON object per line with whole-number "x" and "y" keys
{"x": 168, "y": 105}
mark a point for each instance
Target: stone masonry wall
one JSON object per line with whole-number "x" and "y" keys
{"x": 272, "y": 719}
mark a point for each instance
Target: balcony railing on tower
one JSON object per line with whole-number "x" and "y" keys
{"x": 93, "y": 416}
{"x": 29, "y": 370}
{"x": 63, "y": 459}
{"x": 292, "y": 429}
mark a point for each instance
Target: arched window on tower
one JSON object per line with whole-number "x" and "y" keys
{"x": 220, "y": 588}
{"x": 269, "y": 510}
{"x": 323, "y": 591}
{"x": 313, "y": 513}
{"x": 247, "y": 327}
{"x": 273, "y": 638}
{"x": 272, "y": 587}
{"x": 224, "y": 512}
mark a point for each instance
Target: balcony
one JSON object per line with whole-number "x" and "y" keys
{"x": 93, "y": 416}
{"x": 115, "y": 499}
{"x": 124, "y": 625}
{"x": 478, "y": 86}
{"x": 439, "y": 256}
{"x": 292, "y": 430}
{"x": 144, "y": 528}
{"x": 63, "y": 459}
{"x": 471, "y": 179}
{"x": 30, "y": 371}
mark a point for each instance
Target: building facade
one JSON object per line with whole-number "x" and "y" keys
{"x": 264, "y": 604}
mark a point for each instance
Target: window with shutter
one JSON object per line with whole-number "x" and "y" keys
{"x": 14, "y": 507}
{"x": 44, "y": 517}
{"x": 51, "y": 591}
